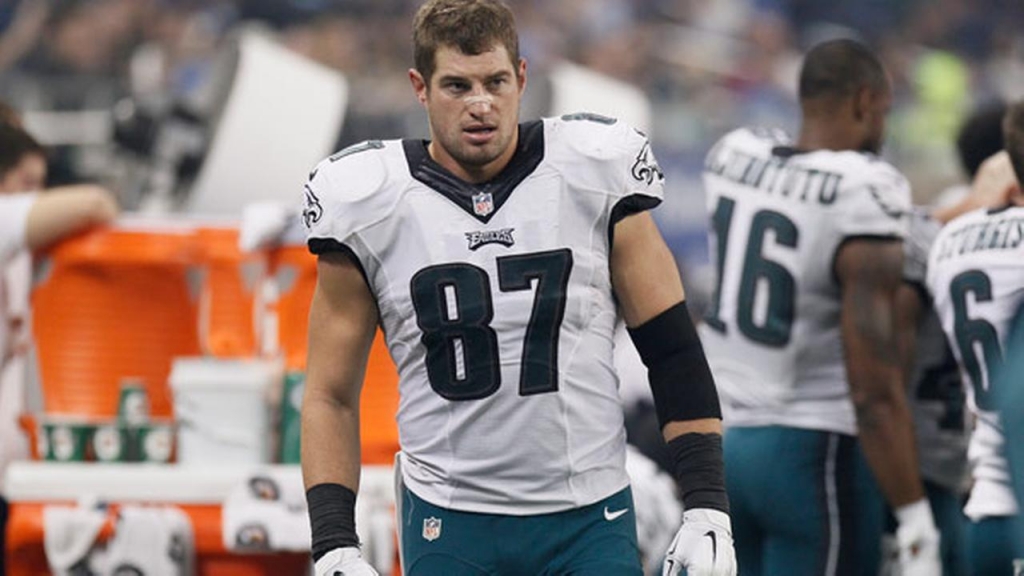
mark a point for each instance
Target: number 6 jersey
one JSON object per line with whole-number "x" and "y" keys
{"x": 779, "y": 217}
{"x": 976, "y": 278}
{"x": 496, "y": 304}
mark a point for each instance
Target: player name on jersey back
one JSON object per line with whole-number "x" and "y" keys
{"x": 779, "y": 216}
{"x": 776, "y": 176}
{"x": 976, "y": 279}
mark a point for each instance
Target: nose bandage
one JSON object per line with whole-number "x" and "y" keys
{"x": 485, "y": 99}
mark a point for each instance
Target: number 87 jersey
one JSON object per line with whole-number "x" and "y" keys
{"x": 779, "y": 216}
{"x": 497, "y": 307}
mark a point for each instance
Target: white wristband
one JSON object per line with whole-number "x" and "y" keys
{"x": 915, "y": 513}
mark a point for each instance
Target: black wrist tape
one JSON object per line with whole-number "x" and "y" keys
{"x": 699, "y": 470}
{"x": 677, "y": 369}
{"x": 332, "y": 517}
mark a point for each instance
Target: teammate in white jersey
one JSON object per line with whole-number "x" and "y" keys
{"x": 800, "y": 336}
{"x": 935, "y": 391}
{"x": 497, "y": 257}
{"x": 976, "y": 278}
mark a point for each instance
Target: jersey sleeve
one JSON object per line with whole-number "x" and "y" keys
{"x": 922, "y": 230}
{"x": 641, "y": 181}
{"x": 14, "y": 211}
{"x": 875, "y": 203}
{"x": 340, "y": 197}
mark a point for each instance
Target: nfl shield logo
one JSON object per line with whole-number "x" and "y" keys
{"x": 431, "y": 529}
{"x": 483, "y": 203}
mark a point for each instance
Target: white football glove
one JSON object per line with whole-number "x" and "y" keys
{"x": 346, "y": 561}
{"x": 703, "y": 545}
{"x": 918, "y": 540}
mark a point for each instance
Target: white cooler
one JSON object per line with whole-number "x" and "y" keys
{"x": 221, "y": 409}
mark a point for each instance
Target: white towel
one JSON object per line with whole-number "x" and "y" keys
{"x": 149, "y": 541}
{"x": 68, "y": 535}
{"x": 267, "y": 512}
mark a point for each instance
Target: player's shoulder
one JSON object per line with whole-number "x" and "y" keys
{"x": 1010, "y": 218}
{"x": 868, "y": 178}
{"x": 744, "y": 142}
{"x": 755, "y": 138}
{"x": 354, "y": 187}
{"x": 592, "y": 135}
{"x": 358, "y": 170}
{"x": 598, "y": 153}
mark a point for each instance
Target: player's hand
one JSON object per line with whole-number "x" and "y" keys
{"x": 344, "y": 562}
{"x": 918, "y": 541}
{"x": 702, "y": 546}
{"x": 995, "y": 181}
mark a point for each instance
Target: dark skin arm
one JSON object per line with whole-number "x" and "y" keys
{"x": 870, "y": 273}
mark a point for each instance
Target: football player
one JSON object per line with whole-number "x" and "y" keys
{"x": 976, "y": 278}
{"x": 497, "y": 257}
{"x": 808, "y": 241}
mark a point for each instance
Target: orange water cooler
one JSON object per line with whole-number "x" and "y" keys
{"x": 121, "y": 303}
{"x": 114, "y": 304}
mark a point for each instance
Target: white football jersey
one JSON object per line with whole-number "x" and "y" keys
{"x": 497, "y": 306}
{"x": 936, "y": 394}
{"x": 778, "y": 219}
{"x": 976, "y": 277}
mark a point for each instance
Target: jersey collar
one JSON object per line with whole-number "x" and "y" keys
{"x": 528, "y": 155}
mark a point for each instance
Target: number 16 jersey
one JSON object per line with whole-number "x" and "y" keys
{"x": 497, "y": 308}
{"x": 779, "y": 217}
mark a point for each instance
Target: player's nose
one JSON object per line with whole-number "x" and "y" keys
{"x": 479, "y": 103}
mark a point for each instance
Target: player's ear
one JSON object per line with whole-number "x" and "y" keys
{"x": 521, "y": 75}
{"x": 862, "y": 101}
{"x": 419, "y": 85}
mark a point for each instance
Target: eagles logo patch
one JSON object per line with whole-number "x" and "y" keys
{"x": 483, "y": 237}
{"x": 646, "y": 168}
{"x": 313, "y": 211}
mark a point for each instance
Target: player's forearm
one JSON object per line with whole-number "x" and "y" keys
{"x": 883, "y": 419}
{"x": 887, "y": 439}
{"x": 330, "y": 442}
{"x": 876, "y": 374}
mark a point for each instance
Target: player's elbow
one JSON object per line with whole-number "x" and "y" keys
{"x": 877, "y": 403}
{"x": 99, "y": 205}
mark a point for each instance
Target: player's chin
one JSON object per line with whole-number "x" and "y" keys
{"x": 479, "y": 155}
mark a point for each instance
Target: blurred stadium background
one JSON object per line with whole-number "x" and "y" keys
{"x": 145, "y": 96}
{"x": 705, "y": 65}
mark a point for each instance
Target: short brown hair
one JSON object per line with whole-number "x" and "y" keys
{"x": 1013, "y": 137}
{"x": 15, "y": 144}
{"x": 472, "y": 26}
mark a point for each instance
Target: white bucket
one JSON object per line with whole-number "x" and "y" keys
{"x": 221, "y": 409}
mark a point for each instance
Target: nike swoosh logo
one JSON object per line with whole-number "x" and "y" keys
{"x": 609, "y": 515}
{"x": 714, "y": 543}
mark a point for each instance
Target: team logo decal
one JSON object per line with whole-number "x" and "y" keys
{"x": 483, "y": 203}
{"x": 482, "y": 237}
{"x": 431, "y": 529}
{"x": 264, "y": 488}
{"x": 313, "y": 211}
{"x": 646, "y": 168}
{"x": 253, "y": 536}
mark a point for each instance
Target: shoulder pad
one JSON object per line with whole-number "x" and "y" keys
{"x": 347, "y": 191}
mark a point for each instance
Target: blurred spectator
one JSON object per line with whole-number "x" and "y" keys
{"x": 29, "y": 221}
